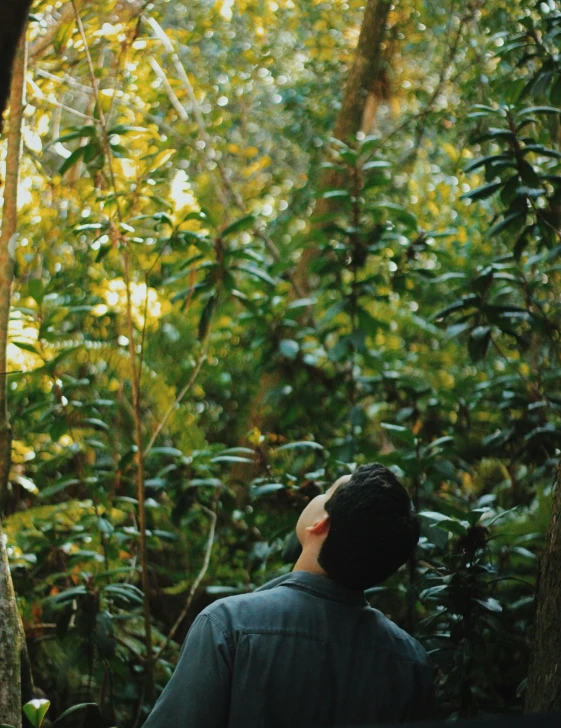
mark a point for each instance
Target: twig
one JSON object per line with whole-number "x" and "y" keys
{"x": 41, "y": 97}
{"x": 186, "y": 388}
{"x": 195, "y": 584}
{"x": 43, "y": 41}
{"x": 543, "y": 397}
{"x": 175, "y": 102}
{"x": 148, "y": 667}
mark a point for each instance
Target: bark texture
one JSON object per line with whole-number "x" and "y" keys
{"x": 543, "y": 692}
{"x": 367, "y": 67}
{"x": 11, "y": 633}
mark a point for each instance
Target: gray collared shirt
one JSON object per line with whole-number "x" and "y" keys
{"x": 302, "y": 650}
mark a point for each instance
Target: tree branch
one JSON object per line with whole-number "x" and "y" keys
{"x": 195, "y": 584}
{"x": 182, "y": 393}
{"x": 148, "y": 667}
{"x": 12, "y": 638}
{"x": 44, "y": 41}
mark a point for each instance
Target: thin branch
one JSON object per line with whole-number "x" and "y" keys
{"x": 8, "y": 241}
{"x": 175, "y": 102}
{"x": 44, "y": 41}
{"x": 14, "y": 661}
{"x": 40, "y": 96}
{"x": 195, "y": 584}
{"x": 148, "y": 667}
{"x": 186, "y": 388}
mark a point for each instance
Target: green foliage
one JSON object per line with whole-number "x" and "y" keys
{"x": 426, "y": 336}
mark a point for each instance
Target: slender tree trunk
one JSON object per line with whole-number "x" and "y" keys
{"x": 363, "y": 88}
{"x": 358, "y": 100}
{"x": 543, "y": 693}
{"x": 11, "y": 633}
{"x": 367, "y": 66}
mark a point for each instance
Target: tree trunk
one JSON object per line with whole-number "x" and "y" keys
{"x": 365, "y": 72}
{"x": 543, "y": 693}
{"x": 364, "y": 86}
{"x": 13, "y": 16}
{"x": 11, "y": 632}
{"x": 367, "y": 82}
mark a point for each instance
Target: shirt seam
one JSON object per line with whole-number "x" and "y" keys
{"x": 324, "y": 595}
{"x": 227, "y": 636}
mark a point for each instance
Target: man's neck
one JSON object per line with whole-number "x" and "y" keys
{"x": 308, "y": 562}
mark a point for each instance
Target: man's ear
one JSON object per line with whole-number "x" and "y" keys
{"x": 320, "y": 526}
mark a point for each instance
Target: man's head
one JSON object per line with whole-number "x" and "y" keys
{"x": 361, "y": 530}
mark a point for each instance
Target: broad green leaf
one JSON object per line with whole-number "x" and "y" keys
{"x": 257, "y": 273}
{"x": 35, "y": 711}
{"x": 482, "y": 193}
{"x": 244, "y": 223}
{"x": 401, "y": 433}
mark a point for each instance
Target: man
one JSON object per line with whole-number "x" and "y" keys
{"x": 306, "y": 649}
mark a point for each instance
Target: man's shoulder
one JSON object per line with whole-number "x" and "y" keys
{"x": 237, "y": 602}
{"x": 402, "y": 641}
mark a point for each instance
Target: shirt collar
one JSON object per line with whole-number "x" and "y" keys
{"x": 323, "y": 586}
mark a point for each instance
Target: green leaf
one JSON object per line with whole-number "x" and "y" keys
{"x": 483, "y": 161}
{"x": 57, "y": 486}
{"x": 85, "y": 131}
{"x": 375, "y": 164}
{"x": 258, "y": 490}
{"x": 244, "y": 223}
{"x": 506, "y": 222}
{"x": 482, "y": 193}
{"x": 67, "y": 595}
{"x": 492, "y": 605}
{"x": 289, "y": 348}
{"x": 541, "y": 149}
{"x": 257, "y": 273}
{"x": 206, "y": 316}
{"x": 398, "y": 212}
{"x": 26, "y": 347}
{"x": 478, "y": 342}
{"x": 128, "y": 592}
{"x": 432, "y": 591}
{"x": 311, "y": 444}
{"x": 73, "y": 709}
{"x": 75, "y": 157}
{"x": 230, "y": 459}
{"x": 539, "y": 110}
{"x": 125, "y": 129}
{"x": 237, "y": 450}
{"x": 501, "y": 515}
{"x": 35, "y": 711}
{"x": 173, "y": 451}
{"x": 401, "y": 433}
{"x": 334, "y": 194}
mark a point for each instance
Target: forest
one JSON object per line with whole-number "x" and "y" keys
{"x": 247, "y": 246}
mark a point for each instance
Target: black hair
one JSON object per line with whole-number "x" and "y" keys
{"x": 373, "y": 528}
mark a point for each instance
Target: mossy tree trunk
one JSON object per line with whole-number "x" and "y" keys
{"x": 11, "y": 633}
{"x": 543, "y": 692}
